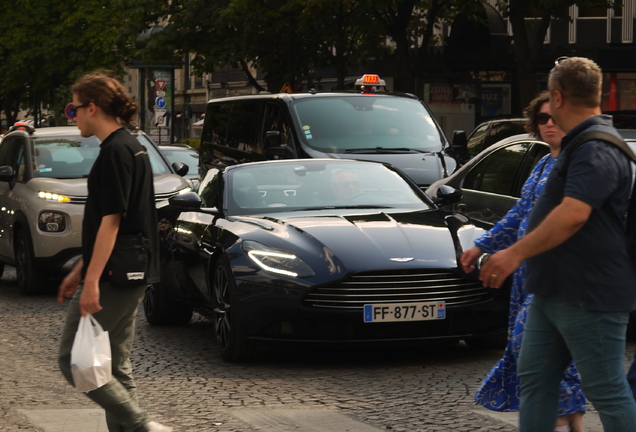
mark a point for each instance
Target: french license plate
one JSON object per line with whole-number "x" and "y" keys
{"x": 396, "y": 312}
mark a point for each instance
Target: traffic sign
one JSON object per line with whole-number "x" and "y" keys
{"x": 160, "y": 102}
{"x": 160, "y": 85}
{"x": 161, "y": 119}
{"x": 287, "y": 88}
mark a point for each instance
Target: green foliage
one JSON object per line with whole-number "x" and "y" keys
{"x": 46, "y": 48}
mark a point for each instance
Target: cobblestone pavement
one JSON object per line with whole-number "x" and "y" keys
{"x": 183, "y": 382}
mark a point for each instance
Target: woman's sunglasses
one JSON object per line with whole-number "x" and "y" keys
{"x": 542, "y": 118}
{"x": 71, "y": 110}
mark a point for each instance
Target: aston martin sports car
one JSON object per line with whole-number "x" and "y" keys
{"x": 321, "y": 251}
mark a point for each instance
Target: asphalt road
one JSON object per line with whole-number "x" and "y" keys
{"x": 183, "y": 382}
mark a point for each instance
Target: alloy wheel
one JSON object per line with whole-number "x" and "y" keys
{"x": 222, "y": 308}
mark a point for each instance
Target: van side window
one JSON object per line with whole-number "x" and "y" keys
{"x": 215, "y": 125}
{"x": 242, "y": 127}
{"x": 275, "y": 121}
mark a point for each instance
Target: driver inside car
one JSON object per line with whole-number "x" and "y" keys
{"x": 345, "y": 185}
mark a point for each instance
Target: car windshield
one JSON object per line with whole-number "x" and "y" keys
{"x": 72, "y": 156}
{"x": 187, "y": 156}
{"x": 342, "y": 124}
{"x": 318, "y": 185}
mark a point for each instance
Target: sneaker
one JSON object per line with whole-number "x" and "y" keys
{"x": 153, "y": 426}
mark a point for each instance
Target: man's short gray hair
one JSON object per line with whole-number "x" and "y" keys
{"x": 579, "y": 79}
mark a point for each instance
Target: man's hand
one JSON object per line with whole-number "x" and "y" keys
{"x": 70, "y": 283}
{"x": 498, "y": 267}
{"x": 469, "y": 257}
{"x": 89, "y": 298}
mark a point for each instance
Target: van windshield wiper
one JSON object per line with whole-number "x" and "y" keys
{"x": 385, "y": 150}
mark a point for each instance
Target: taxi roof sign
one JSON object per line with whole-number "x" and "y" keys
{"x": 370, "y": 83}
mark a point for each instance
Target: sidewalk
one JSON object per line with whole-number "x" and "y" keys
{"x": 280, "y": 420}
{"x": 591, "y": 421}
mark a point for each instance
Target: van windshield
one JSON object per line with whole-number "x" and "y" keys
{"x": 347, "y": 123}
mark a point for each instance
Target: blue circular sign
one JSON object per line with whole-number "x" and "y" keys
{"x": 160, "y": 102}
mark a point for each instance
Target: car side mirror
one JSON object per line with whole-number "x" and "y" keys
{"x": 6, "y": 173}
{"x": 189, "y": 201}
{"x": 460, "y": 142}
{"x": 180, "y": 168}
{"x": 272, "y": 139}
{"x": 448, "y": 195}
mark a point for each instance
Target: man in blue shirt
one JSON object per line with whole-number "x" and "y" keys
{"x": 578, "y": 265}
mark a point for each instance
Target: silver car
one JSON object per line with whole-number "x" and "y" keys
{"x": 43, "y": 189}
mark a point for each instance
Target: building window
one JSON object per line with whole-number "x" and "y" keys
{"x": 198, "y": 82}
{"x": 592, "y": 12}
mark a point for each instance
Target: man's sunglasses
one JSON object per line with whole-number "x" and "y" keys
{"x": 543, "y": 118}
{"x": 71, "y": 110}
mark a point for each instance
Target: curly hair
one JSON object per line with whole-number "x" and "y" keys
{"x": 108, "y": 94}
{"x": 531, "y": 111}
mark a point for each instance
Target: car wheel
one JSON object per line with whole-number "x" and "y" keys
{"x": 497, "y": 341}
{"x": 30, "y": 279}
{"x": 227, "y": 317}
{"x": 161, "y": 310}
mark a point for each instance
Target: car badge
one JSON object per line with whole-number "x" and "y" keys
{"x": 401, "y": 259}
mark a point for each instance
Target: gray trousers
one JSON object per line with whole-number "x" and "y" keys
{"x": 118, "y": 397}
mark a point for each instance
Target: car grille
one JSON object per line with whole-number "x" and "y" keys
{"x": 418, "y": 285}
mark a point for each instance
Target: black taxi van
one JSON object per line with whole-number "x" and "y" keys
{"x": 367, "y": 123}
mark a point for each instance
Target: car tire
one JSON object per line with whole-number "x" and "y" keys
{"x": 161, "y": 310}
{"x": 32, "y": 281}
{"x": 233, "y": 347}
{"x": 497, "y": 341}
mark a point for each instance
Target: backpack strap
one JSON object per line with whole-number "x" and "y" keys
{"x": 600, "y": 135}
{"x": 629, "y": 224}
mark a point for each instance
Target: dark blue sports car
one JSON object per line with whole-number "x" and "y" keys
{"x": 320, "y": 250}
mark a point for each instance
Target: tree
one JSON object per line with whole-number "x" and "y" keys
{"x": 285, "y": 39}
{"x": 527, "y": 48}
{"x": 411, "y": 26}
{"x": 45, "y": 50}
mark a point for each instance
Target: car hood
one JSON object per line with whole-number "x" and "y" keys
{"x": 72, "y": 187}
{"x": 423, "y": 168}
{"x": 378, "y": 240}
{"x": 163, "y": 184}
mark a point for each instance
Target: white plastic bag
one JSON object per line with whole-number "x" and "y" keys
{"x": 90, "y": 356}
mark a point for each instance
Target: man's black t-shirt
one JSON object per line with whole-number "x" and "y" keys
{"x": 591, "y": 269}
{"x": 121, "y": 180}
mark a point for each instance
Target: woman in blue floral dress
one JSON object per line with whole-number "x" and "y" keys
{"x": 500, "y": 389}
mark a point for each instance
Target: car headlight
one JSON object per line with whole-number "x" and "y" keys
{"x": 275, "y": 261}
{"x": 50, "y": 196}
{"x": 52, "y": 222}
{"x": 184, "y": 190}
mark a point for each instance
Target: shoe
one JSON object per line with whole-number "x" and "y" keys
{"x": 153, "y": 426}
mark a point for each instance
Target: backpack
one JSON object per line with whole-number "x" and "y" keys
{"x": 630, "y": 221}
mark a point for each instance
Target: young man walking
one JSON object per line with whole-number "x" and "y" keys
{"x": 578, "y": 265}
{"x": 120, "y": 202}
